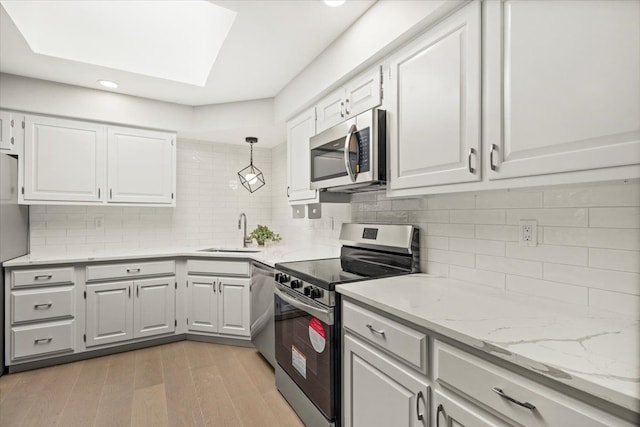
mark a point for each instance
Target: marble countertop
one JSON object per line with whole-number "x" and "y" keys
{"x": 269, "y": 256}
{"x": 595, "y": 351}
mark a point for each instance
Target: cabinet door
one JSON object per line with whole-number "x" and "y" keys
{"x": 363, "y": 93}
{"x": 11, "y": 132}
{"x": 434, "y": 105}
{"x": 155, "y": 305}
{"x": 566, "y": 98}
{"x": 109, "y": 313}
{"x": 141, "y": 166}
{"x": 331, "y": 110}
{"x": 64, "y": 160}
{"x": 202, "y": 309}
{"x": 5, "y": 131}
{"x": 299, "y": 132}
{"x": 450, "y": 412}
{"x": 380, "y": 392}
{"x": 233, "y": 306}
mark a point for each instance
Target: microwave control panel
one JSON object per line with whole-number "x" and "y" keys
{"x": 364, "y": 142}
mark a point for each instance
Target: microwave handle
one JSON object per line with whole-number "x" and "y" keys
{"x": 353, "y": 175}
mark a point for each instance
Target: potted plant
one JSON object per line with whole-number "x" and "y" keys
{"x": 262, "y": 234}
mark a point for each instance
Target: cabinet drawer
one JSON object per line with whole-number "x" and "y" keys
{"x": 400, "y": 340}
{"x": 42, "y": 276}
{"x": 39, "y": 304}
{"x": 227, "y": 268}
{"x": 33, "y": 340}
{"x": 130, "y": 269}
{"x": 482, "y": 382}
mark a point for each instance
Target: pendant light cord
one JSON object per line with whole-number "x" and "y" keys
{"x": 251, "y": 156}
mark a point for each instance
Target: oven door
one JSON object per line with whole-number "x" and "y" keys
{"x": 341, "y": 155}
{"x": 306, "y": 339}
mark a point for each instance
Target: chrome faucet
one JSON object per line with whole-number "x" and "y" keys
{"x": 242, "y": 223}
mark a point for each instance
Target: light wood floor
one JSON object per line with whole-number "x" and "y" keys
{"x": 180, "y": 384}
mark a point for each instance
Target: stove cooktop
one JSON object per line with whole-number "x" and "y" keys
{"x": 326, "y": 273}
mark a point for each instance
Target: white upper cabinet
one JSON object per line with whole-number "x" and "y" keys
{"x": 562, "y": 86}
{"x": 63, "y": 160}
{"x": 359, "y": 95}
{"x": 79, "y": 162}
{"x": 11, "y": 132}
{"x": 140, "y": 166}
{"x": 299, "y": 132}
{"x": 432, "y": 95}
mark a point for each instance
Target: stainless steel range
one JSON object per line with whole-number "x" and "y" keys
{"x": 307, "y": 313}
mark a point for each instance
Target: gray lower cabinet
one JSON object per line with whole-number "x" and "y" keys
{"x": 120, "y": 311}
{"x": 379, "y": 391}
{"x": 40, "y": 313}
{"x": 450, "y": 410}
{"x": 384, "y": 382}
{"x": 218, "y": 298}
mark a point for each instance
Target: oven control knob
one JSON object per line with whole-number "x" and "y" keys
{"x": 316, "y": 293}
{"x": 295, "y": 284}
{"x": 307, "y": 290}
{"x": 282, "y": 278}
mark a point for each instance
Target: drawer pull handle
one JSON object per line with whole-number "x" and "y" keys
{"x": 43, "y": 340}
{"x": 372, "y": 329}
{"x": 472, "y": 151}
{"x": 43, "y": 276}
{"x": 39, "y": 306}
{"x": 133, "y": 270}
{"x": 440, "y": 410}
{"x": 511, "y": 399}
{"x": 418, "y": 413}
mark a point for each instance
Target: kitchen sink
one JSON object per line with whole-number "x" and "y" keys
{"x": 248, "y": 251}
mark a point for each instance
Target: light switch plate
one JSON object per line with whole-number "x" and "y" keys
{"x": 297, "y": 211}
{"x": 314, "y": 211}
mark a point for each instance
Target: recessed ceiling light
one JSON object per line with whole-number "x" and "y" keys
{"x": 141, "y": 37}
{"x": 109, "y": 84}
{"x": 334, "y": 3}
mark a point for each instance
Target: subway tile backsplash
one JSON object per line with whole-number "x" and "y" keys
{"x": 588, "y": 239}
{"x": 209, "y": 201}
{"x": 588, "y": 236}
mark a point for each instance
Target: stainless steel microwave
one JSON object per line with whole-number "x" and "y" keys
{"x": 351, "y": 156}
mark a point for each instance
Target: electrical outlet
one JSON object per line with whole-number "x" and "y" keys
{"x": 98, "y": 222}
{"x": 528, "y": 232}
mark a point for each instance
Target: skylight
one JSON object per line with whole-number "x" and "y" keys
{"x": 172, "y": 40}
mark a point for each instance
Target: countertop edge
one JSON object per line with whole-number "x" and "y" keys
{"x": 268, "y": 256}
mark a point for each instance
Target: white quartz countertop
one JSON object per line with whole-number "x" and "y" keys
{"x": 591, "y": 350}
{"x": 269, "y": 256}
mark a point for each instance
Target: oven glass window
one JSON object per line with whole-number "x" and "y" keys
{"x": 303, "y": 349}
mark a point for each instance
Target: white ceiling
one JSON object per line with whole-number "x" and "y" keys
{"x": 270, "y": 42}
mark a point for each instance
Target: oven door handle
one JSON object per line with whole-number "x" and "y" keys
{"x": 347, "y": 158}
{"x": 326, "y": 316}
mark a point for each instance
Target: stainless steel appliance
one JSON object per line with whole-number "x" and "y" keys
{"x": 14, "y": 228}
{"x": 307, "y": 313}
{"x": 262, "y": 328}
{"x": 352, "y": 155}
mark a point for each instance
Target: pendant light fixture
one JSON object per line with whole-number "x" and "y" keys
{"x": 251, "y": 177}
